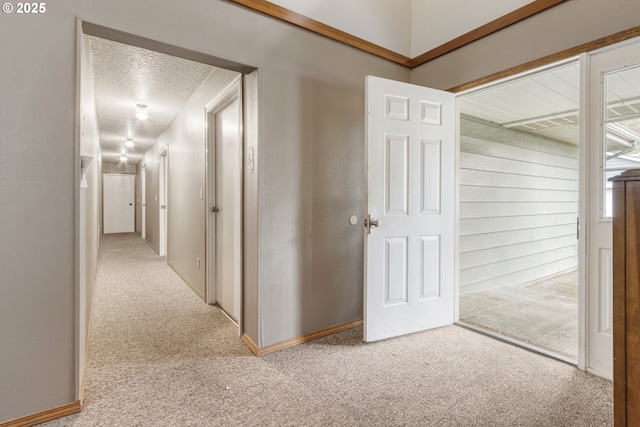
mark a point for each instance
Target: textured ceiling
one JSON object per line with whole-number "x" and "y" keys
{"x": 125, "y": 76}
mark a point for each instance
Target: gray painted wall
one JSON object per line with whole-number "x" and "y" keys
{"x": 518, "y": 206}
{"x": 119, "y": 168}
{"x": 310, "y": 164}
{"x": 38, "y": 235}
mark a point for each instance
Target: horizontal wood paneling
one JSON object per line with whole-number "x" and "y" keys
{"x": 491, "y": 225}
{"x": 493, "y": 209}
{"x": 505, "y": 150}
{"x": 496, "y": 179}
{"x": 478, "y": 242}
{"x": 515, "y": 167}
{"x": 530, "y": 274}
{"x": 472, "y": 193}
{"x": 498, "y": 268}
{"x": 475, "y": 129}
{"x": 512, "y": 251}
{"x": 518, "y": 206}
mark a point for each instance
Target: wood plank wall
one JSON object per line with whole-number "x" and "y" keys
{"x": 518, "y": 206}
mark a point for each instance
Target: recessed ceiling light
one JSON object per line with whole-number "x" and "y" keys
{"x": 142, "y": 111}
{"x": 128, "y": 143}
{"x": 123, "y": 157}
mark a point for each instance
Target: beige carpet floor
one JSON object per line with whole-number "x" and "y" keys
{"x": 161, "y": 357}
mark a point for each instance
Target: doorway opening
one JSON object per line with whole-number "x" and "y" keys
{"x": 174, "y": 85}
{"x": 614, "y": 134}
{"x": 519, "y": 187}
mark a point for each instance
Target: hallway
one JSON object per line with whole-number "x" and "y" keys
{"x": 159, "y": 356}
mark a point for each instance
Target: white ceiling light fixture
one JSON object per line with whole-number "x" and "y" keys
{"x": 123, "y": 158}
{"x": 142, "y": 111}
{"x": 128, "y": 143}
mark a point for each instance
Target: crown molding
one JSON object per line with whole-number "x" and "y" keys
{"x": 318, "y": 27}
{"x": 498, "y": 24}
{"x": 291, "y": 17}
{"x": 550, "y": 59}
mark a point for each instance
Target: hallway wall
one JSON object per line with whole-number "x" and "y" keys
{"x": 186, "y": 139}
{"x": 38, "y": 230}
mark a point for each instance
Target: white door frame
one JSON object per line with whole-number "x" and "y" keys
{"x": 599, "y": 324}
{"x": 232, "y": 92}
{"x": 143, "y": 201}
{"x": 163, "y": 184}
{"x": 582, "y": 205}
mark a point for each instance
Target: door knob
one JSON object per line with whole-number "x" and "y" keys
{"x": 214, "y": 209}
{"x": 371, "y": 223}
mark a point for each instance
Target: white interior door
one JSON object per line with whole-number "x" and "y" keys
{"x": 614, "y": 88}
{"x": 409, "y": 243}
{"x": 118, "y": 204}
{"x": 224, "y": 198}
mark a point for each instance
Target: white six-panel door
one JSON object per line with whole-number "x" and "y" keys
{"x": 409, "y": 256}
